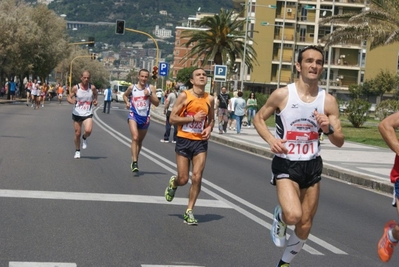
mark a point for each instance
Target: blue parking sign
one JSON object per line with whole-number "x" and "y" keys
{"x": 220, "y": 73}
{"x": 163, "y": 68}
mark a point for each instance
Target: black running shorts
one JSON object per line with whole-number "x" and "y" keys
{"x": 79, "y": 118}
{"x": 190, "y": 148}
{"x": 304, "y": 173}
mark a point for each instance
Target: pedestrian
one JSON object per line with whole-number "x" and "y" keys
{"x": 222, "y": 104}
{"x": 138, "y": 99}
{"x": 301, "y": 108}
{"x": 239, "y": 110}
{"x": 83, "y": 96}
{"x": 232, "y": 118}
{"x": 252, "y": 107}
{"x": 2, "y": 91}
{"x": 169, "y": 104}
{"x": 12, "y": 87}
{"x": 194, "y": 115}
{"x": 107, "y": 99}
{"x": 390, "y": 236}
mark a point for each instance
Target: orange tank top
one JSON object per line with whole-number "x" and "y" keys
{"x": 193, "y": 130}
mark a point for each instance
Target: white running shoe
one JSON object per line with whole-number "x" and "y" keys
{"x": 84, "y": 144}
{"x": 279, "y": 229}
{"x": 77, "y": 155}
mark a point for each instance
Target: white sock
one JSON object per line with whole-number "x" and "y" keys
{"x": 391, "y": 238}
{"x": 293, "y": 247}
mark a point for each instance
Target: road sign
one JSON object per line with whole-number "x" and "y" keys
{"x": 163, "y": 68}
{"x": 220, "y": 73}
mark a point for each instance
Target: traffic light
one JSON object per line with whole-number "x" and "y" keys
{"x": 91, "y": 42}
{"x": 155, "y": 72}
{"x": 120, "y": 27}
{"x": 93, "y": 56}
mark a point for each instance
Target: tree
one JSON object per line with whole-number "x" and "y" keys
{"x": 220, "y": 41}
{"x": 378, "y": 23}
{"x": 184, "y": 76}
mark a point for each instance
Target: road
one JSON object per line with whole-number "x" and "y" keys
{"x": 58, "y": 211}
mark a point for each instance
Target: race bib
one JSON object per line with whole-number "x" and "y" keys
{"x": 193, "y": 127}
{"x": 302, "y": 144}
{"x": 141, "y": 105}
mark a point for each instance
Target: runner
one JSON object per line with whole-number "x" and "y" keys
{"x": 138, "y": 99}
{"x": 83, "y": 97}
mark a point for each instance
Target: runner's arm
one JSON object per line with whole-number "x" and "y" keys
{"x": 387, "y": 130}
{"x": 71, "y": 96}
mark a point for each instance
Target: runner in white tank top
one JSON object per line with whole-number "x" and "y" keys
{"x": 301, "y": 110}
{"x": 297, "y": 124}
{"x": 83, "y": 96}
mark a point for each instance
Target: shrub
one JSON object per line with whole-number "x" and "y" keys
{"x": 386, "y": 108}
{"x": 357, "y": 111}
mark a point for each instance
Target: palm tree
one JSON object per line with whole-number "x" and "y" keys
{"x": 378, "y": 23}
{"x": 221, "y": 41}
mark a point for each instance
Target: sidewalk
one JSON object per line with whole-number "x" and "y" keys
{"x": 354, "y": 163}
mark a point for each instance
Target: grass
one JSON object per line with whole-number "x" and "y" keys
{"x": 368, "y": 134}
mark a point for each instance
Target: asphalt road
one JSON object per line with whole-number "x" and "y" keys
{"x": 58, "y": 211}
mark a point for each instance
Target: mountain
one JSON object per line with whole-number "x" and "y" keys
{"x": 142, "y": 15}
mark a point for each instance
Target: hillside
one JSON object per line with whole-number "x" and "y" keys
{"x": 142, "y": 15}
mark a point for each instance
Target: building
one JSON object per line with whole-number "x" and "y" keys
{"x": 281, "y": 28}
{"x": 162, "y": 32}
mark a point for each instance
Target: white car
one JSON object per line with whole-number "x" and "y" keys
{"x": 159, "y": 93}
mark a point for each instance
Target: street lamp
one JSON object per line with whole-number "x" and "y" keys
{"x": 242, "y": 69}
{"x": 329, "y": 48}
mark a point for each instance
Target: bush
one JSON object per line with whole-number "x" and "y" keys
{"x": 386, "y": 108}
{"x": 357, "y": 112}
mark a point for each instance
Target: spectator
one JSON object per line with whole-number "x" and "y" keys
{"x": 252, "y": 106}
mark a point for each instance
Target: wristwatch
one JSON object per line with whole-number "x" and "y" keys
{"x": 330, "y": 130}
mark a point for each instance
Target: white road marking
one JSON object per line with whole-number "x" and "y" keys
{"x": 40, "y": 264}
{"x": 150, "y": 265}
{"x": 153, "y": 157}
{"x": 107, "y": 197}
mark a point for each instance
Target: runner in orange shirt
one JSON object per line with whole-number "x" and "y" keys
{"x": 60, "y": 93}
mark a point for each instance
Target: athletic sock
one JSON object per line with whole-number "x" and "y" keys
{"x": 83, "y": 136}
{"x": 391, "y": 238}
{"x": 293, "y": 247}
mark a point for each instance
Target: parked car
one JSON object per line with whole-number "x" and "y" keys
{"x": 159, "y": 93}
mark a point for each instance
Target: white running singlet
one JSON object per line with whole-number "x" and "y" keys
{"x": 297, "y": 124}
{"x": 83, "y": 102}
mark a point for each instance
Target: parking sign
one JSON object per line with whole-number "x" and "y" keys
{"x": 163, "y": 68}
{"x": 220, "y": 73}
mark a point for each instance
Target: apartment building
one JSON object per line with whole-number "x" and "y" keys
{"x": 281, "y": 28}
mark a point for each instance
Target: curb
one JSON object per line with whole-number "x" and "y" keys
{"x": 328, "y": 170}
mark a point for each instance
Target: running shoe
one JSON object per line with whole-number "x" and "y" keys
{"x": 84, "y": 144}
{"x": 77, "y": 155}
{"x": 278, "y": 229}
{"x": 173, "y": 142}
{"x": 164, "y": 141}
{"x": 386, "y": 246}
{"x": 170, "y": 191}
{"x": 134, "y": 167}
{"x": 283, "y": 265}
{"x": 189, "y": 218}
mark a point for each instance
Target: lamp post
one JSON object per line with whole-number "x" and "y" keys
{"x": 281, "y": 46}
{"x": 242, "y": 69}
{"x": 329, "y": 48}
